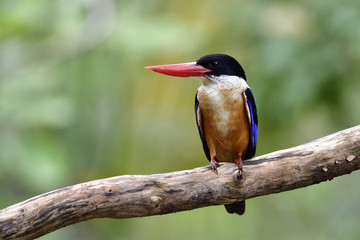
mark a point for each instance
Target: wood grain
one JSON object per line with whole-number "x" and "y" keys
{"x": 144, "y": 195}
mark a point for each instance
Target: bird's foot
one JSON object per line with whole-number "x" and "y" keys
{"x": 214, "y": 164}
{"x": 239, "y": 163}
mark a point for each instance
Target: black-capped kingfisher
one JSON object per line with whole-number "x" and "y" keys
{"x": 225, "y": 111}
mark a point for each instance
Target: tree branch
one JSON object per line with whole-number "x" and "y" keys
{"x": 144, "y": 195}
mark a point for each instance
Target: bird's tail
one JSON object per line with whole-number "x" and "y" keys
{"x": 238, "y": 208}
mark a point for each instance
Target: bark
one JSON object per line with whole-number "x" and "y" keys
{"x": 145, "y": 195}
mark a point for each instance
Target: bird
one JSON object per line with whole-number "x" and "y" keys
{"x": 225, "y": 111}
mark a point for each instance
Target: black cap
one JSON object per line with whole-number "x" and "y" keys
{"x": 221, "y": 64}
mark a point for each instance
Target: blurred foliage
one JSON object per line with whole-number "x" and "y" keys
{"x": 76, "y": 104}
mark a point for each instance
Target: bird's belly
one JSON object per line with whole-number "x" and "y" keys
{"x": 227, "y": 140}
{"x": 226, "y": 128}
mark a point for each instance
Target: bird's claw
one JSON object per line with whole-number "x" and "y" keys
{"x": 239, "y": 175}
{"x": 238, "y": 163}
{"x": 214, "y": 164}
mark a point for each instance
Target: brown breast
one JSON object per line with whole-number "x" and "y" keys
{"x": 225, "y": 122}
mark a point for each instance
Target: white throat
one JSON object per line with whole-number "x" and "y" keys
{"x": 224, "y": 81}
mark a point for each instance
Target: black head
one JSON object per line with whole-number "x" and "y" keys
{"x": 221, "y": 64}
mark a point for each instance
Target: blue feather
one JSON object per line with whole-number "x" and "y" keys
{"x": 253, "y": 124}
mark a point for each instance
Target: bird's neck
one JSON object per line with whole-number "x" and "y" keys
{"x": 223, "y": 83}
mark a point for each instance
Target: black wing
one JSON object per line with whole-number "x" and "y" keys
{"x": 200, "y": 128}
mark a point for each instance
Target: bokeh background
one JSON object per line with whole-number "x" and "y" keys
{"x": 76, "y": 104}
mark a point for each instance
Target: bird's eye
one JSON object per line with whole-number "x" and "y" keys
{"x": 214, "y": 64}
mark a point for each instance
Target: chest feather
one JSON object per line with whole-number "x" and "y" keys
{"x": 223, "y": 107}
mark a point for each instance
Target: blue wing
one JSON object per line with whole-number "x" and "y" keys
{"x": 198, "y": 117}
{"x": 250, "y": 101}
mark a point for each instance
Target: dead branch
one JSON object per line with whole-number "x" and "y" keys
{"x": 144, "y": 195}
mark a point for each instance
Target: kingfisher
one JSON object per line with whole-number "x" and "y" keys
{"x": 225, "y": 111}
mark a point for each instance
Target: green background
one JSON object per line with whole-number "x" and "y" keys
{"x": 76, "y": 104}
